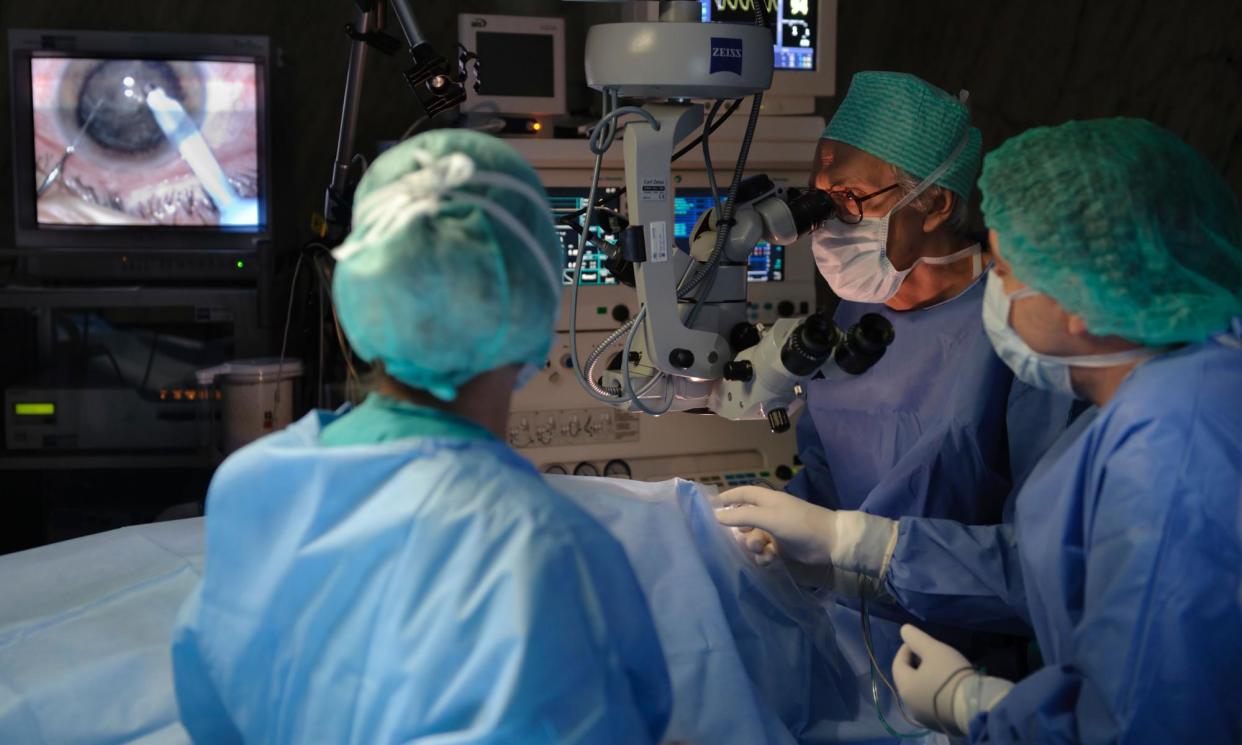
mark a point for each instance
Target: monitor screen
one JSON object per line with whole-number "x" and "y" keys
{"x": 514, "y": 64}
{"x": 767, "y": 262}
{"x": 565, "y": 201}
{"x": 795, "y": 27}
{"x": 145, "y": 142}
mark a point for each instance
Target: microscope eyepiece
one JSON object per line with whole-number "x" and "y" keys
{"x": 811, "y": 344}
{"x": 809, "y": 208}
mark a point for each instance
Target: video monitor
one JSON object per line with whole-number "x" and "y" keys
{"x": 145, "y": 142}
{"x": 140, "y": 141}
{"x": 521, "y": 63}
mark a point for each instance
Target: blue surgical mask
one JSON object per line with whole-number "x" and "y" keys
{"x": 1046, "y": 371}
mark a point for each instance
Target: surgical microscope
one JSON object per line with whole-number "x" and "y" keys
{"x": 690, "y": 346}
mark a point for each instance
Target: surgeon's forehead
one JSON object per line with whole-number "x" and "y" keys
{"x": 843, "y": 166}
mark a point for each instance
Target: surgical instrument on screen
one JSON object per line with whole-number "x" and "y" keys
{"x": 58, "y": 170}
{"x": 179, "y": 128}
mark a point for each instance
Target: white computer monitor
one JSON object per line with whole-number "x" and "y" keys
{"x": 521, "y": 63}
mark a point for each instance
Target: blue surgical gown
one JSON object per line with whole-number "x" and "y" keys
{"x": 937, "y": 428}
{"x": 1123, "y": 556}
{"x": 419, "y": 589}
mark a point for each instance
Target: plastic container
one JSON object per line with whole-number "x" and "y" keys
{"x": 247, "y": 399}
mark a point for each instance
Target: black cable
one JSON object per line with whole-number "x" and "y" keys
{"x": 715, "y": 126}
{"x": 146, "y": 375}
{"x": 570, "y": 217}
{"x": 936, "y": 696}
{"x": 116, "y": 367}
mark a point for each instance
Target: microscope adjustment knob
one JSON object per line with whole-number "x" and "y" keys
{"x": 778, "y": 420}
{"x": 739, "y": 370}
{"x": 681, "y": 358}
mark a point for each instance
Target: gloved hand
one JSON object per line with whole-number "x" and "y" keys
{"x": 806, "y": 533}
{"x": 758, "y": 542}
{"x": 938, "y": 684}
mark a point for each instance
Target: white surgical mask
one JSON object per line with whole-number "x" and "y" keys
{"x": 1046, "y": 371}
{"x": 854, "y": 258}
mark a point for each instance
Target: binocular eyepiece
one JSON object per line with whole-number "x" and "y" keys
{"x": 809, "y": 207}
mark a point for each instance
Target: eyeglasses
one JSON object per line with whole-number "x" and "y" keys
{"x": 850, "y": 205}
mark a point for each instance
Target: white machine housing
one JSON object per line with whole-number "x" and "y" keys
{"x": 556, "y": 425}
{"x": 679, "y": 60}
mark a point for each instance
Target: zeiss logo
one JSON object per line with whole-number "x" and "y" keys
{"x": 726, "y": 55}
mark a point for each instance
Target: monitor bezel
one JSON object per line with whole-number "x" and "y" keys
{"x": 468, "y": 27}
{"x": 29, "y": 234}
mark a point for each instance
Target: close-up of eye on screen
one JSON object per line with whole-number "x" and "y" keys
{"x": 145, "y": 142}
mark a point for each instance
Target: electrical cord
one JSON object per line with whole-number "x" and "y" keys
{"x": 146, "y": 375}
{"x": 627, "y": 384}
{"x": 571, "y": 216}
{"x": 707, "y": 155}
{"x": 725, "y": 223}
{"x": 865, "y": 620}
{"x": 347, "y": 355}
{"x": 601, "y": 138}
{"x": 284, "y": 339}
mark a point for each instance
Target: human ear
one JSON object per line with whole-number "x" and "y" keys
{"x": 942, "y": 203}
{"x": 1075, "y": 325}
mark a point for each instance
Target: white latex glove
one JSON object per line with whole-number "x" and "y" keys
{"x": 938, "y": 684}
{"x": 809, "y": 534}
{"x": 758, "y": 542}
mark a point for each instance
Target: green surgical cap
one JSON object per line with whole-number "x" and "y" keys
{"x": 905, "y": 121}
{"x": 1121, "y": 223}
{"x": 453, "y": 265}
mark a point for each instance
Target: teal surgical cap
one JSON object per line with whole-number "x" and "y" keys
{"x": 905, "y": 121}
{"x": 453, "y": 265}
{"x": 1121, "y": 223}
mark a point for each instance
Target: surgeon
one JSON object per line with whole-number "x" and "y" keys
{"x": 924, "y": 432}
{"x": 396, "y": 573}
{"x": 938, "y": 427}
{"x": 1118, "y": 277}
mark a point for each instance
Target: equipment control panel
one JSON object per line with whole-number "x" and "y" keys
{"x": 533, "y": 429}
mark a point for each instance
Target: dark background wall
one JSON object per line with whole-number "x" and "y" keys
{"x": 1026, "y": 62}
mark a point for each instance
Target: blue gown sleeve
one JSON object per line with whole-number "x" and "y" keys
{"x": 202, "y": 713}
{"x": 1143, "y": 583}
{"x": 959, "y": 575}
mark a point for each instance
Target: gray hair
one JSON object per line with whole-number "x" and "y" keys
{"x": 959, "y": 219}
